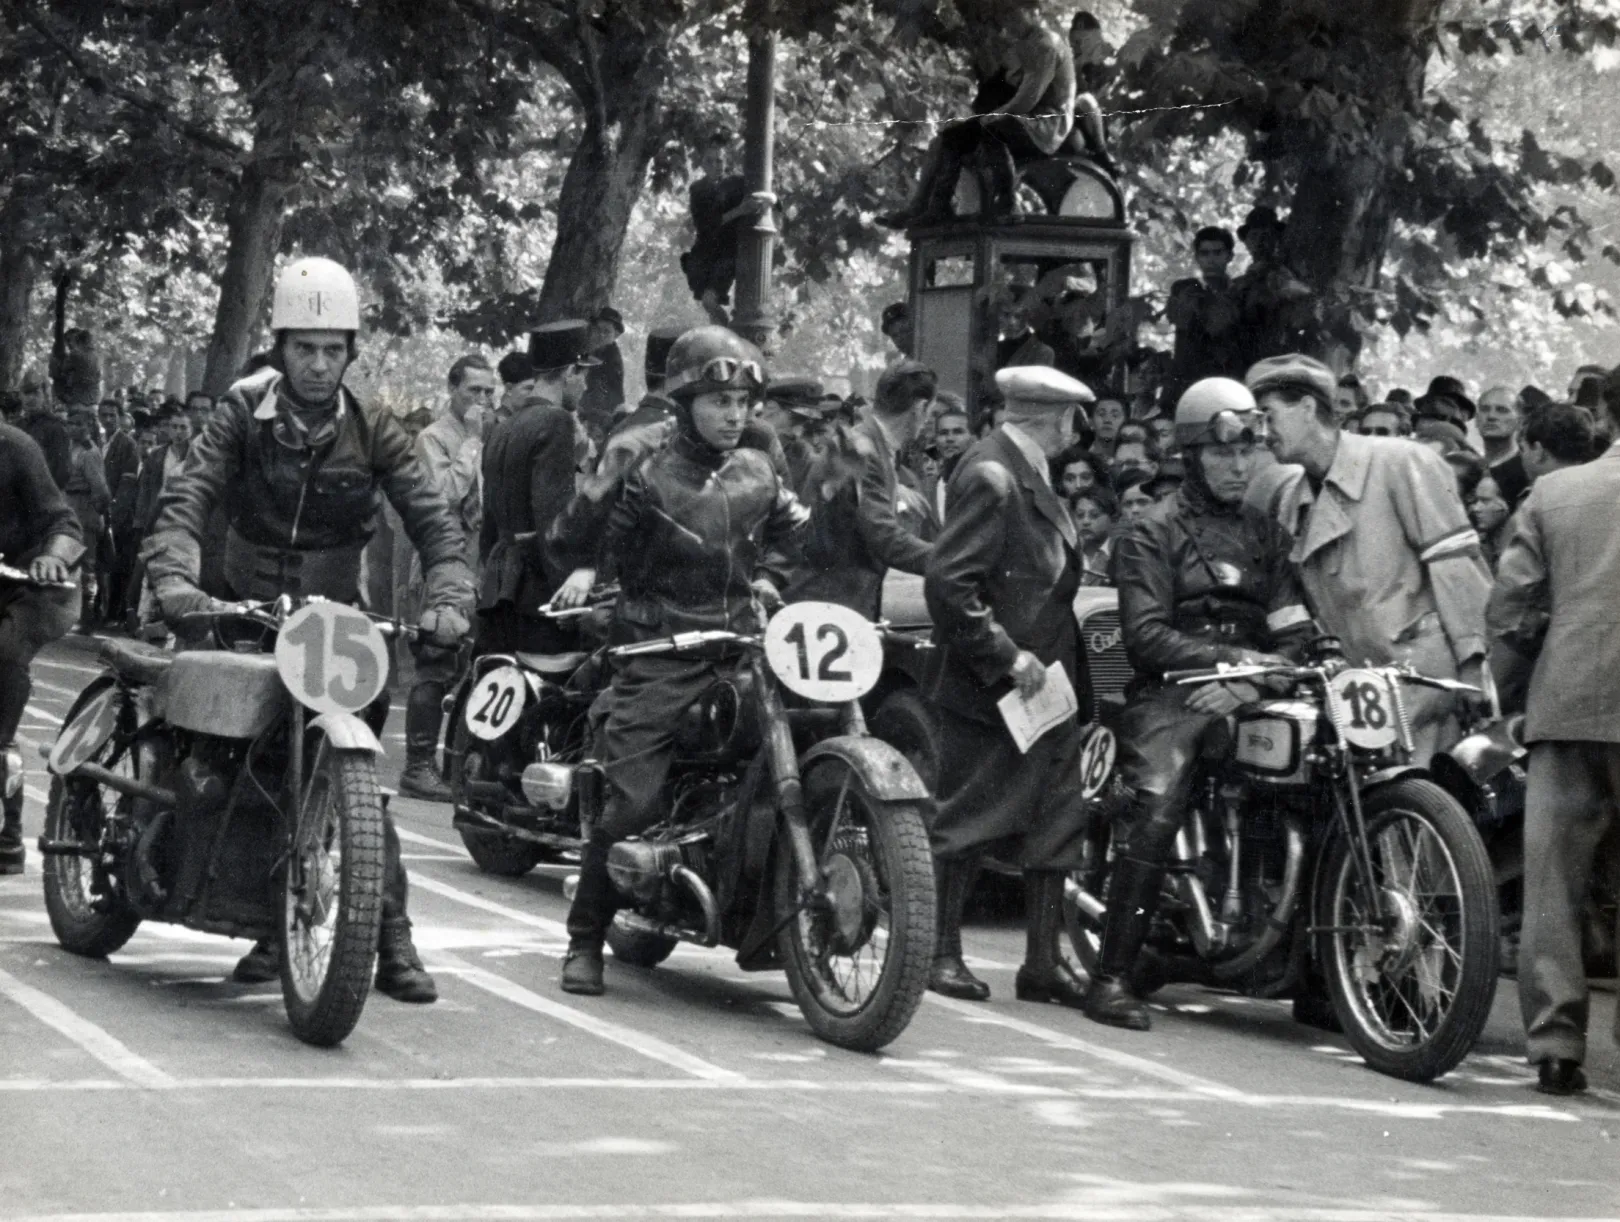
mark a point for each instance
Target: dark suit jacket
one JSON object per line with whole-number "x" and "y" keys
{"x": 856, "y": 535}
{"x": 528, "y": 479}
{"x": 1001, "y": 579}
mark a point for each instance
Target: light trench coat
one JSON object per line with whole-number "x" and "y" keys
{"x": 1392, "y": 567}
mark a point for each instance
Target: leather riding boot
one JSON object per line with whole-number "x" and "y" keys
{"x": 1046, "y": 975}
{"x": 595, "y": 902}
{"x": 400, "y": 973}
{"x": 12, "y": 853}
{"x": 1133, "y": 897}
{"x": 421, "y": 778}
{"x": 953, "y": 883}
{"x": 260, "y": 965}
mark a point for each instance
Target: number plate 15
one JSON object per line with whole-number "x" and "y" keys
{"x": 1363, "y": 707}
{"x": 332, "y": 658}
{"x": 824, "y": 652}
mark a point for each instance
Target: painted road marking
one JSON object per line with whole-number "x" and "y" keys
{"x": 978, "y": 1012}
{"x": 73, "y": 666}
{"x": 1126, "y": 1203}
{"x": 467, "y": 899}
{"x": 627, "y": 1037}
{"x": 98, "y": 1043}
{"x": 70, "y": 693}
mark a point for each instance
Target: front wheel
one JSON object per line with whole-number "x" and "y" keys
{"x": 331, "y": 897}
{"x": 89, "y": 911}
{"x": 1412, "y": 991}
{"x": 858, "y": 962}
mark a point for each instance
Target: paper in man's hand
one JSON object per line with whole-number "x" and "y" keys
{"x": 1054, "y": 704}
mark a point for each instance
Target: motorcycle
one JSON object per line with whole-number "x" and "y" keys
{"x": 234, "y": 791}
{"x": 792, "y": 836}
{"x": 514, "y": 710}
{"x": 1312, "y": 847}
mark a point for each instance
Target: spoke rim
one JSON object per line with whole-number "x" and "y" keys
{"x": 1403, "y": 994}
{"x": 845, "y": 982}
{"x": 311, "y": 917}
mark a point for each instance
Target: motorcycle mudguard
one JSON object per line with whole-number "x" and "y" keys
{"x": 887, "y": 775}
{"x": 89, "y": 725}
{"x": 1385, "y": 775}
{"x": 346, "y": 732}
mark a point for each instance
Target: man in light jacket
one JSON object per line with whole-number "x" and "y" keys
{"x": 1555, "y": 621}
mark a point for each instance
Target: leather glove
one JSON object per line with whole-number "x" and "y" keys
{"x": 445, "y": 627}
{"x": 769, "y": 597}
{"x": 177, "y": 598}
{"x": 1221, "y": 699}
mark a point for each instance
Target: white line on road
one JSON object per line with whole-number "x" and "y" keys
{"x": 98, "y": 1043}
{"x": 469, "y": 900}
{"x": 978, "y": 1012}
{"x": 684, "y": 1085}
{"x": 70, "y": 693}
{"x": 637, "y": 1041}
{"x": 73, "y": 666}
{"x": 1132, "y": 1209}
{"x": 430, "y": 842}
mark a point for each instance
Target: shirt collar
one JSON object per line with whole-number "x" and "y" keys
{"x": 1033, "y": 454}
{"x": 1350, "y": 464}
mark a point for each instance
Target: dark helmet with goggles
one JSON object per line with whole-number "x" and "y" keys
{"x": 713, "y": 358}
{"x": 1218, "y": 411}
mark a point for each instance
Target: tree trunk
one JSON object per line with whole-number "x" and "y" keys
{"x": 17, "y": 272}
{"x": 253, "y": 229}
{"x": 599, "y": 193}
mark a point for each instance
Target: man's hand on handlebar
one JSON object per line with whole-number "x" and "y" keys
{"x": 575, "y": 592}
{"x": 445, "y": 627}
{"x": 1221, "y": 699}
{"x": 49, "y": 570}
{"x": 1272, "y": 683}
{"x": 770, "y": 598}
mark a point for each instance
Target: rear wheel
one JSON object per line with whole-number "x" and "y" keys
{"x": 331, "y": 889}
{"x": 88, "y": 909}
{"x": 493, "y": 852}
{"x": 905, "y": 721}
{"x": 1412, "y": 992}
{"x": 858, "y": 964}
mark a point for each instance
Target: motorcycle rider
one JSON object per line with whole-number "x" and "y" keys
{"x": 299, "y": 465}
{"x": 697, "y": 533}
{"x": 39, "y": 532}
{"x": 1202, "y": 578}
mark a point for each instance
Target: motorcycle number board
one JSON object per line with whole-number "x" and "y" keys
{"x": 1362, "y": 705}
{"x": 496, "y": 703}
{"x": 332, "y": 658}
{"x": 824, "y": 652}
{"x": 82, "y": 737}
{"x": 1096, "y": 761}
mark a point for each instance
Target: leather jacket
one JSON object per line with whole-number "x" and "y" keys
{"x": 1202, "y": 582}
{"x": 299, "y": 510}
{"x": 689, "y": 531}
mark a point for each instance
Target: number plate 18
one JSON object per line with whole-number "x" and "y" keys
{"x": 824, "y": 652}
{"x": 1363, "y": 707}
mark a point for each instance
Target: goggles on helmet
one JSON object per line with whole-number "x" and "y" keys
{"x": 726, "y": 371}
{"x": 1229, "y": 427}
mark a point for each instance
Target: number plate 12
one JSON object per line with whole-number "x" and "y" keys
{"x": 824, "y": 652}
{"x": 1363, "y": 707}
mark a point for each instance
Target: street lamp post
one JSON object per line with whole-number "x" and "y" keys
{"x": 756, "y": 243}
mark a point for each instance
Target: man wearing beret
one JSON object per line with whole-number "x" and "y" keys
{"x": 1384, "y": 547}
{"x": 528, "y": 468}
{"x": 1000, "y": 587}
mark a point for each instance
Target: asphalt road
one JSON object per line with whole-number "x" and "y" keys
{"x": 149, "y": 1086}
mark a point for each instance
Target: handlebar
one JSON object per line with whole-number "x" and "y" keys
{"x": 685, "y": 640}
{"x": 22, "y": 577}
{"x": 274, "y": 614}
{"x": 1227, "y": 672}
{"x": 598, "y": 598}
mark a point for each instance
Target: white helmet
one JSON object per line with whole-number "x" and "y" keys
{"x": 315, "y": 295}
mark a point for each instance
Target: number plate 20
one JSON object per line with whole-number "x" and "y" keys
{"x": 496, "y": 702}
{"x": 1363, "y": 707}
{"x": 824, "y": 652}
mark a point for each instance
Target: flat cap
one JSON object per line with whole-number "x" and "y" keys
{"x": 1295, "y": 371}
{"x": 1041, "y": 385}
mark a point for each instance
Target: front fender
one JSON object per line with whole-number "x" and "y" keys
{"x": 1385, "y": 775}
{"x": 346, "y": 732}
{"x": 887, "y": 775}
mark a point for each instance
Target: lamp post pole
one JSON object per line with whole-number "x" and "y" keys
{"x": 756, "y": 243}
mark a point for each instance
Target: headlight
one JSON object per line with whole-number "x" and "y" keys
{"x": 548, "y": 784}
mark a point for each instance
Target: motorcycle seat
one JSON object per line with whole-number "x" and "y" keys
{"x": 552, "y": 664}
{"x": 135, "y": 661}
